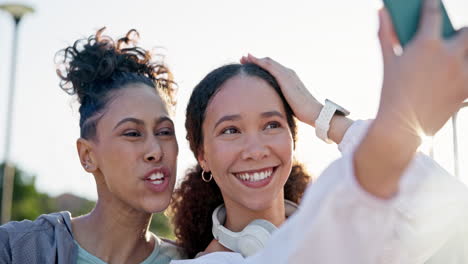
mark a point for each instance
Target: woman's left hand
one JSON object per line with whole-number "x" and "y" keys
{"x": 304, "y": 105}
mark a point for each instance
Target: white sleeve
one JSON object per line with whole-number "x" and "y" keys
{"x": 214, "y": 258}
{"x": 432, "y": 210}
{"x": 338, "y": 222}
{"x": 353, "y": 136}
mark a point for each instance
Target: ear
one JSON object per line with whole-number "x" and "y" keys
{"x": 201, "y": 160}
{"x": 85, "y": 152}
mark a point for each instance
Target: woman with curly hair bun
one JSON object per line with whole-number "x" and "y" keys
{"x": 127, "y": 141}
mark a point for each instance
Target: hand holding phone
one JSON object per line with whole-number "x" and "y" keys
{"x": 405, "y": 16}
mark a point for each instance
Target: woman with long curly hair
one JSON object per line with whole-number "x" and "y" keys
{"x": 241, "y": 130}
{"x": 223, "y": 151}
{"x": 127, "y": 142}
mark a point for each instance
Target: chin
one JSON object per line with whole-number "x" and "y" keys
{"x": 157, "y": 205}
{"x": 258, "y": 203}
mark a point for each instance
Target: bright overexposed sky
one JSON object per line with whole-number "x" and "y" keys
{"x": 332, "y": 45}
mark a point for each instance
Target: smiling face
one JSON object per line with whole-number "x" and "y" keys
{"x": 247, "y": 145}
{"x": 134, "y": 154}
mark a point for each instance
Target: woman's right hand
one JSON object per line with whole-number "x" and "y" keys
{"x": 304, "y": 105}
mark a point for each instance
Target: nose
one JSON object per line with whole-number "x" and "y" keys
{"x": 255, "y": 148}
{"x": 154, "y": 151}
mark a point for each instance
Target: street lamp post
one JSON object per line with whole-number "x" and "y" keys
{"x": 17, "y": 12}
{"x": 456, "y": 165}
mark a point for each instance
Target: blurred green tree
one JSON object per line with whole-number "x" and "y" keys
{"x": 28, "y": 203}
{"x": 161, "y": 226}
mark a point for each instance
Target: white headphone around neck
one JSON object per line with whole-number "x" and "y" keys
{"x": 252, "y": 238}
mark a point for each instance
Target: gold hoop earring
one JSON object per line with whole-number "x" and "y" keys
{"x": 203, "y": 176}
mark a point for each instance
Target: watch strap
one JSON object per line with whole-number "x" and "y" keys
{"x": 322, "y": 124}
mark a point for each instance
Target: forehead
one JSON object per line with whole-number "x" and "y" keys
{"x": 244, "y": 94}
{"x": 135, "y": 100}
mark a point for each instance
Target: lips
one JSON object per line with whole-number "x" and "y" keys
{"x": 157, "y": 178}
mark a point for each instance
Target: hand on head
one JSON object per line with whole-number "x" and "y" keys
{"x": 304, "y": 105}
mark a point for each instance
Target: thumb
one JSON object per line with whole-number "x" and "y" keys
{"x": 387, "y": 36}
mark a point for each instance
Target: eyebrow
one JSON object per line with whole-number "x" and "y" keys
{"x": 129, "y": 119}
{"x": 163, "y": 119}
{"x": 227, "y": 118}
{"x": 237, "y": 117}
{"x": 141, "y": 122}
{"x": 272, "y": 113}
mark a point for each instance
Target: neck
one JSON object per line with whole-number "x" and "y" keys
{"x": 238, "y": 216}
{"x": 115, "y": 232}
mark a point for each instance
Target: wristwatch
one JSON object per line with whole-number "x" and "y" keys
{"x": 322, "y": 124}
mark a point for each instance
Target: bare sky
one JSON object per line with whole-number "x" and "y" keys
{"x": 332, "y": 45}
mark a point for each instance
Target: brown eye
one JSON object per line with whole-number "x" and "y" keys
{"x": 165, "y": 132}
{"x": 132, "y": 134}
{"x": 272, "y": 125}
{"x": 230, "y": 130}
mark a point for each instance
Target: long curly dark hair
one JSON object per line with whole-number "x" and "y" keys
{"x": 195, "y": 200}
{"x": 95, "y": 67}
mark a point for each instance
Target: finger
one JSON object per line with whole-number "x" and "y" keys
{"x": 387, "y": 36}
{"x": 459, "y": 45}
{"x": 460, "y": 41}
{"x": 244, "y": 60}
{"x": 267, "y": 64}
{"x": 431, "y": 19}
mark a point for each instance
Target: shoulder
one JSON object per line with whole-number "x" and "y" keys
{"x": 38, "y": 238}
{"x": 43, "y": 224}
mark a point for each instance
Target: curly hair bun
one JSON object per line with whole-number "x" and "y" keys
{"x": 94, "y": 65}
{"x": 92, "y": 68}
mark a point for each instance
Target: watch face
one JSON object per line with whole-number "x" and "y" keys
{"x": 339, "y": 108}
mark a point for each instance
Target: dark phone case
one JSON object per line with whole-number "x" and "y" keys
{"x": 406, "y": 15}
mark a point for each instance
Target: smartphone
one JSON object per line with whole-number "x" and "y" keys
{"x": 405, "y": 16}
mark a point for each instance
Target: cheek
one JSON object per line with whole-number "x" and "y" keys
{"x": 117, "y": 156}
{"x": 283, "y": 145}
{"x": 219, "y": 154}
{"x": 171, "y": 150}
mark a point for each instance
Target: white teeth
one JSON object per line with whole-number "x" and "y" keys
{"x": 157, "y": 182}
{"x": 156, "y": 176}
{"x": 254, "y": 177}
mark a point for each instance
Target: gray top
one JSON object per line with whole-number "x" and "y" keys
{"x": 48, "y": 239}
